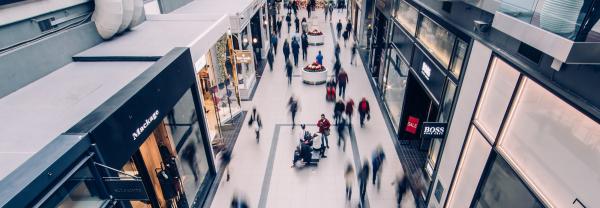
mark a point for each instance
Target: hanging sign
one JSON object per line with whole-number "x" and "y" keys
{"x": 243, "y": 56}
{"x": 412, "y": 124}
{"x": 126, "y": 189}
{"x": 433, "y": 130}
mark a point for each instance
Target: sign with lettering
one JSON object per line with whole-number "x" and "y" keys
{"x": 126, "y": 189}
{"x": 145, "y": 125}
{"x": 426, "y": 71}
{"x": 411, "y": 126}
{"x": 243, "y": 56}
{"x": 433, "y": 130}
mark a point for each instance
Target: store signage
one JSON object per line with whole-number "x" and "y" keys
{"x": 243, "y": 56}
{"x": 411, "y": 126}
{"x": 147, "y": 122}
{"x": 126, "y": 189}
{"x": 433, "y": 130}
{"x": 426, "y": 71}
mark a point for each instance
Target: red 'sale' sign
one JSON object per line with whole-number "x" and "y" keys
{"x": 412, "y": 124}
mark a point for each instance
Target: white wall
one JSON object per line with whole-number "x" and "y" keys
{"x": 474, "y": 74}
{"x": 477, "y": 151}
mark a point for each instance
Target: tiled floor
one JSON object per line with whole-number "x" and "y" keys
{"x": 261, "y": 171}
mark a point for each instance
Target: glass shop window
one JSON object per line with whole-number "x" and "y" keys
{"x": 407, "y": 16}
{"x": 80, "y": 190}
{"x": 437, "y": 40}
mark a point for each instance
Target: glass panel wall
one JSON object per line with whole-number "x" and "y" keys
{"x": 395, "y": 88}
{"x": 183, "y": 124}
{"x": 437, "y": 40}
{"x": 402, "y": 42}
{"x": 501, "y": 82}
{"x": 407, "y": 16}
{"x": 502, "y": 187}
{"x": 554, "y": 145}
{"x": 458, "y": 58}
{"x": 80, "y": 190}
{"x": 448, "y": 100}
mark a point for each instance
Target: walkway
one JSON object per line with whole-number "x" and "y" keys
{"x": 261, "y": 171}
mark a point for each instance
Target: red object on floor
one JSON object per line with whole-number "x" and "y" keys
{"x": 412, "y": 124}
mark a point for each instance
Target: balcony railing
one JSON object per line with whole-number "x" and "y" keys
{"x": 571, "y": 19}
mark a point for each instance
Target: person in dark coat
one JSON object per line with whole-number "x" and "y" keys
{"x": 293, "y": 104}
{"x": 363, "y": 178}
{"x": 349, "y": 26}
{"x": 274, "y": 43}
{"x": 297, "y": 24}
{"x": 288, "y": 19}
{"x": 286, "y": 50}
{"x": 341, "y": 130}
{"x": 337, "y": 66}
{"x": 353, "y": 56}
{"x": 338, "y": 109}
{"x": 270, "y": 59}
{"x": 363, "y": 111}
{"x": 377, "y": 159}
{"x": 401, "y": 187}
{"x": 337, "y": 50}
{"x": 304, "y": 46}
{"x": 288, "y": 71}
{"x": 345, "y": 35}
{"x": 279, "y": 24}
{"x": 225, "y": 159}
{"x": 295, "y": 51}
{"x": 339, "y": 29}
{"x": 342, "y": 82}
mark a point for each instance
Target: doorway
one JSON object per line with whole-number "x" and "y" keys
{"x": 156, "y": 163}
{"x": 418, "y": 104}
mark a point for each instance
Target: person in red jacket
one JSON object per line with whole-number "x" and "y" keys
{"x": 324, "y": 126}
{"x": 364, "y": 111}
{"x": 349, "y": 111}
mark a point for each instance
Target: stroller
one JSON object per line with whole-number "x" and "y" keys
{"x": 330, "y": 91}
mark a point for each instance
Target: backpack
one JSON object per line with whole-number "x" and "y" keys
{"x": 307, "y": 135}
{"x": 363, "y": 106}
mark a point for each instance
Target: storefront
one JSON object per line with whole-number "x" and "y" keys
{"x": 146, "y": 146}
{"x": 420, "y": 73}
{"x": 217, "y": 91}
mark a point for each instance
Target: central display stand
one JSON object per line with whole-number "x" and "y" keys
{"x": 314, "y": 77}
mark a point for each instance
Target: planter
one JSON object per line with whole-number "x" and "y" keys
{"x": 314, "y": 77}
{"x": 316, "y": 39}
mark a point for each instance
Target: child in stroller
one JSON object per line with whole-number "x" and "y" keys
{"x": 305, "y": 148}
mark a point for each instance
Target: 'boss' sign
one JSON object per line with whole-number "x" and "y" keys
{"x": 433, "y": 130}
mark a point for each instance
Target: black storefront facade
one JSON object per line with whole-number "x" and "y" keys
{"x": 147, "y": 145}
{"x": 419, "y": 75}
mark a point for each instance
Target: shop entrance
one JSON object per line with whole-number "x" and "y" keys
{"x": 418, "y": 105}
{"x": 156, "y": 163}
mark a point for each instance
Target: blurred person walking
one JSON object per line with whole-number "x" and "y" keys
{"x": 342, "y": 80}
{"x": 338, "y": 108}
{"x": 363, "y": 177}
{"x": 274, "y": 43}
{"x": 304, "y": 46}
{"x": 295, "y": 51}
{"x": 338, "y": 27}
{"x": 341, "y": 130}
{"x": 364, "y": 111}
{"x": 286, "y": 50}
{"x": 270, "y": 59}
{"x": 377, "y": 159}
{"x": 293, "y": 105}
{"x": 349, "y": 176}
{"x": 349, "y": 111}
{"x": 353, "y": 56}
{"x": 288, "y": 71}
{"x": 256, "y": 123}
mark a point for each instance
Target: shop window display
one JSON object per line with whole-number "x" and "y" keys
{"x": 188, "y": 139}
{"x": 407, "y": 16}
{"x": 395, "y": 89}
{"x": 437, "y": 40}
